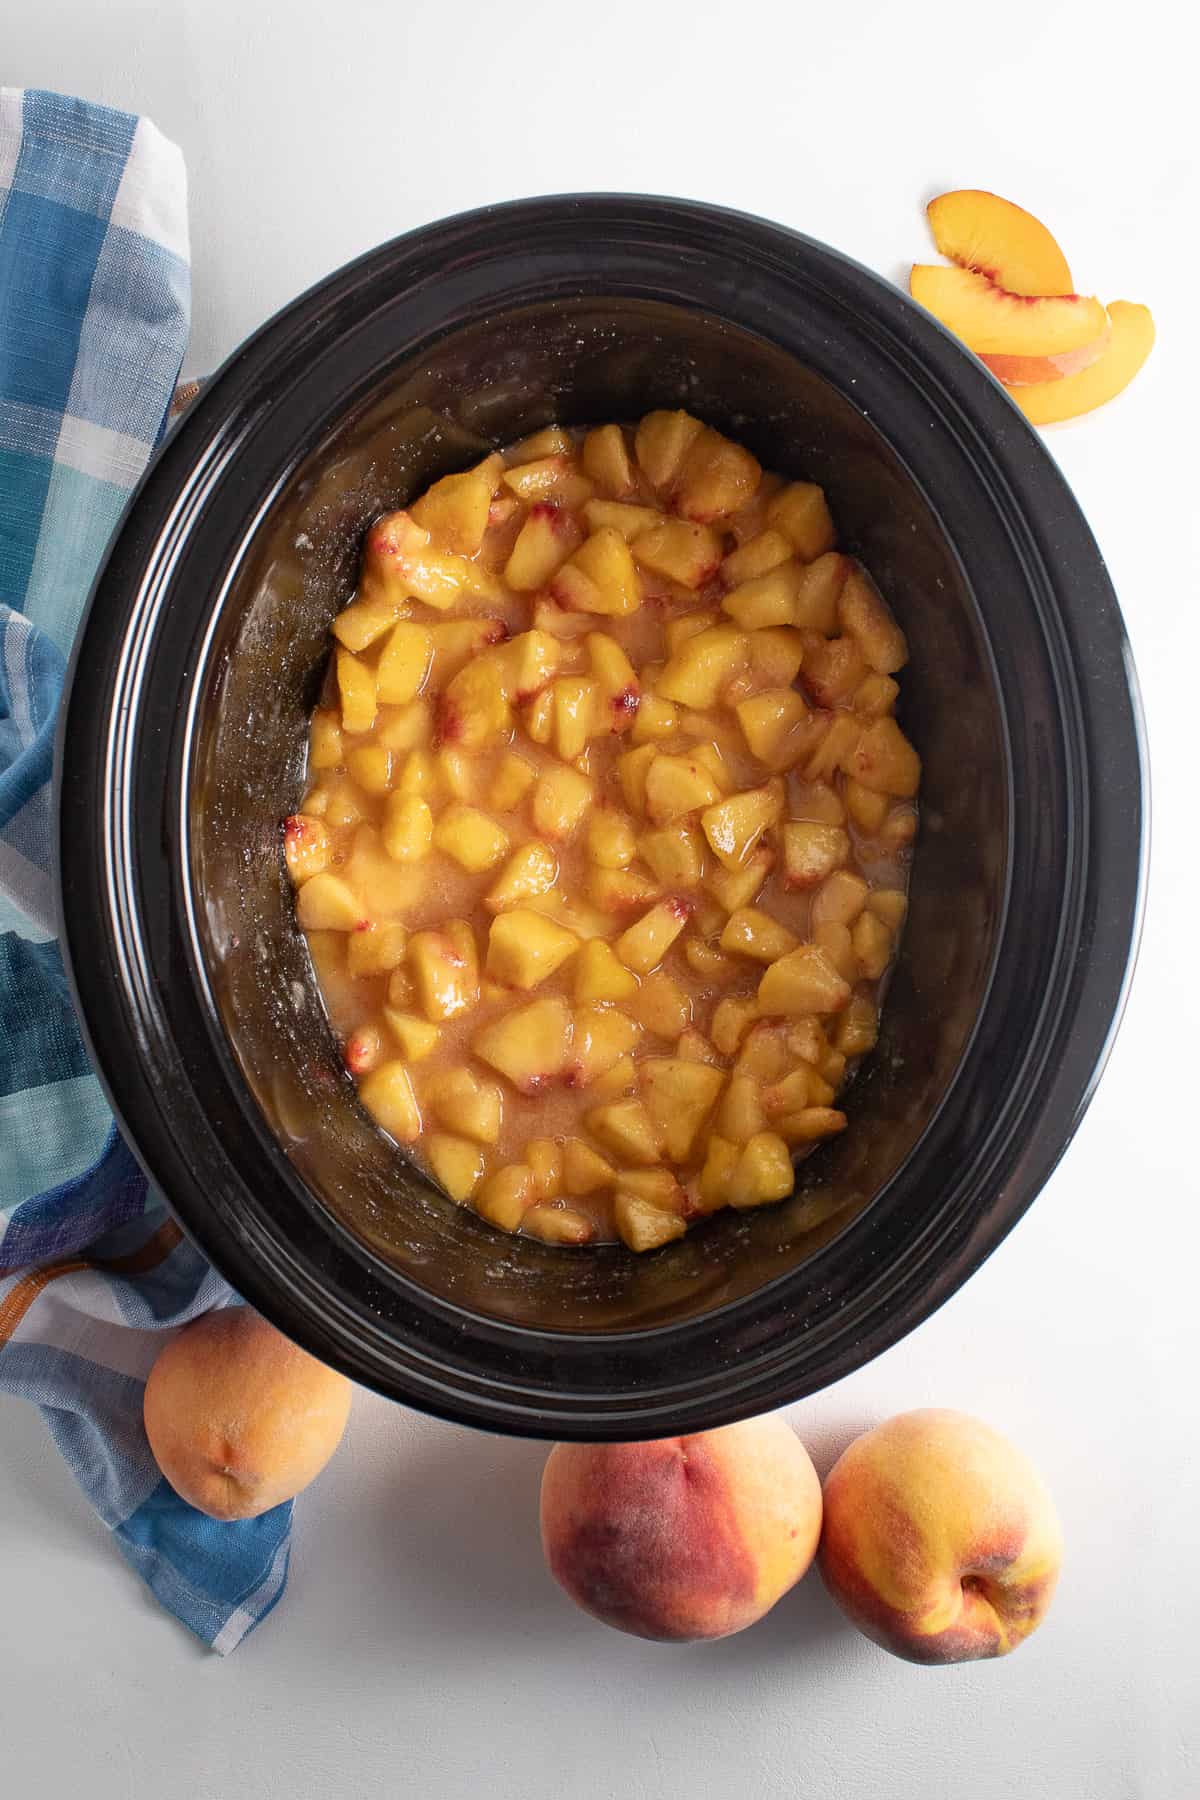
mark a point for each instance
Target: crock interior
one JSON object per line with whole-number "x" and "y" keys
{"x": 578, "y": 362}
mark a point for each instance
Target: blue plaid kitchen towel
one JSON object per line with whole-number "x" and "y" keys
{"x": 94, "y": 301}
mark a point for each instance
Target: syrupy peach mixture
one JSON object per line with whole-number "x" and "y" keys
{"x": 603, "y": 858}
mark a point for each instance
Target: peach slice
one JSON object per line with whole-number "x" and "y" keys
{"x": 1131, "y": 343}
{"x": 981, "y": 231}
{"x": 992, "y": 321}
{"x": 1023, "y": 371}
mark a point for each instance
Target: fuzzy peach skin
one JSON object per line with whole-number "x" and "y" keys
{"x": 238, "y": 1417}
{"x": 689, "y": 1537}
{"x": 940, "y": 1539}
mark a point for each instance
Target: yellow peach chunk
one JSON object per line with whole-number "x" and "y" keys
{"x": 528, "y": 1045}
{"x": 511, "y": 782}
{"x": 305, "y": 847}
{"x": 839, "y": 899}
{"x": 599, "y": 577}
{"x": 675, "y": 853}
{"x": 763, "y": 1173}
{"x": 630, "y": 521}
{"x": 325, "y": 740}
{"x": 457, "y": 1163}
{"x": 506, "y": 1196}
{"x": 598, "y": 975}
{"x": 817, "y": 592}
{"x": 326, "y": 903}
{"x": 774, "y": 725}
{"x": 804, "y": 981}
{"x": 557, "y": 1224}
{"x": 740, "y": 1115}
{"x": 407, "y": 828}
{"x": 619, "y": 688}
{"x": 465, "y": 1104}
{"x": 585, "y": 1171}
{"x": 679, "y": 1095}
{"x": 643, "y": 946}
{"x": 765, "y": 600}
{"x": 661, "y": 442}
{"x": 603, "y": 1036}
{"x": 865, "y": 616}
{"x": 445, "y": 972}
{"x": 404, "y": 664}
{"x": 474, "y": 707}
{"x": 731, "y": 1021}
{"x": 676, "y": 785}
{"x": 524, "y": 948}
{"x": 611, "y": 842}
{"x": 626, "y": 1129}
{"x": 757, "y": 556}
{"x": 370, "y": 766}
{"x": 751, "y": 932}
{"x": 811, "y": 852}
{"x": 633, "y": 766}
{"x": 715, "y": 478}
{"x": 416, "y": 1037}
{"x": 560, "y": 800}
{"x": 387, "y": 1095}
{"x": 800, "y": 512}
{"x": 702, "y": 665}
{"x": 857, "y": 1030}
{"x": 377, "y": 950}
{"x": 455, "y": 509}
{"x": 356, "y": 691}
{"x": 472, "y": 838}
{"x": 872, "y": 943}
{"x": 734, "y": 826}
{"x": 732, "y": 888}
{"x": 529, "y": 871}
{"x": 660, "y": 1005}
{"x": 721, "y": 1159}
{"x": 644, "y": 1226}
{"x": 605, "y": 460}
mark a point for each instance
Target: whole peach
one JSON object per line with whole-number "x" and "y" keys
{"x": 940, "y": 1539}
{"x": 238, "y": 1417}
{"x": 687, "y": 1537}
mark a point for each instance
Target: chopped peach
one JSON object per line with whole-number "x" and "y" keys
{"x": 474, "y": 707}
{"x": 445, "y": 977}
{"x": 632, "y": 769}
{"x": 325, "y": 740}
{"x": 990, "y": 320}
{"x": 617, "y": 1083}
{"x": 857, "y": 1028}
{"x": 457, "y": 641}
{"x": 377, "y": 950}
{"x": 702, "y": 665}
{"x": 528, "y": 1045}
{"x": 455, "y": 509}
{"x": 326, "y": 903}
{"x": 387, "y": 1095}
{"x": 371, "y": 767}
{"x": 731, "y": 1021}
{"x": 606, "y": 461}
{"x": 839, "y": 899}
{"x": 472, "y": 838}
{"x": 716, "y": 477}
{"x": 835, "y": 940}
{"x": 558, "y": 1224}
{"x": 644, "y": 1226}
{"x": 800, "y": 512}
{"x": 364, "y": 1048}
{"x": 693, "y": 1046}
{"x": 511, "y": 782}
{"x": 644, "y": 945}
{"x": 740, "y": 1115}
{"x": 764, "y": 1053}
{"x": 603, "y": 1036}
{"x": 864, "y": 616}
{"x": 864, "y": 808}
{"x": 776, "y": 653}
{"x": 763, "y": 1172}
{"x": 526, "y": 664}
{"x": 506, "y": 1196}
{"x": 560, "y": 799}
{"x": 765, "y": 600}
{"x": 834, "y": 746}
{"x": 356, "y": 690}
{"x": 405, "y": 727}
{"x": 407, "y": 828}
{"x": 621, "y": 890}
{"x": 872, "y": 945}
{"x": 600, "y": 975}
{"x": 529, "y": 871}
{"x": 620, "y": 690}
{"x": 719, "y": 1164}
{"x": 679, "y": 1096}
{"x": 774, "y": 726}
{"x": 611, "y": 840}
{"x": 456, "y": 773}
{"x": 367, "y": 618}
{"x": 885, "y": 761}
{"x": 811, "y": 1125}
{"x": 754, "y": 933}
{"x": 626, "y": 1129}
{"x": 811, "y": 852}
{"x": 457, "y": 1163}
{"x": 585, "y": 1171}
{"x": 630, "y": 521}
{"x": 805, "y": 981}
{"x": 755, "y": 557}
{"x": 416, "y": 1037}
{"x": 1130, "y": 342}
{"x": 679, "y": 550}
{"x": 677, "y": 631}
{"x": 676, "y": 785}
{"x": 675, "y": 852}
{"x": 815, "y": 802}
{"x": 890, "y": 905}
{"x": 305, "y": 847}
{"x": 548, "y": 536}
{"x": 714, "y": 968}
{"x": 600, "y": 577}
{"x": 661, "y": 442}
{"x": 980, "y": 231}
{"x": 574, "y": 704}
{"x": 660, "y": 1005}
{"x": 464, "y": 1103}
{"x": 734, "y": 826}
{"x": 524, "y": 948}
{"x": 732, "y": 888}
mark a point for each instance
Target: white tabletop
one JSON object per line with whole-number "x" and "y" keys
{"x": 421, "y": 1648}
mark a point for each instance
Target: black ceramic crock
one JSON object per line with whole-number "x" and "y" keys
{"x": 183, "y": 744}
